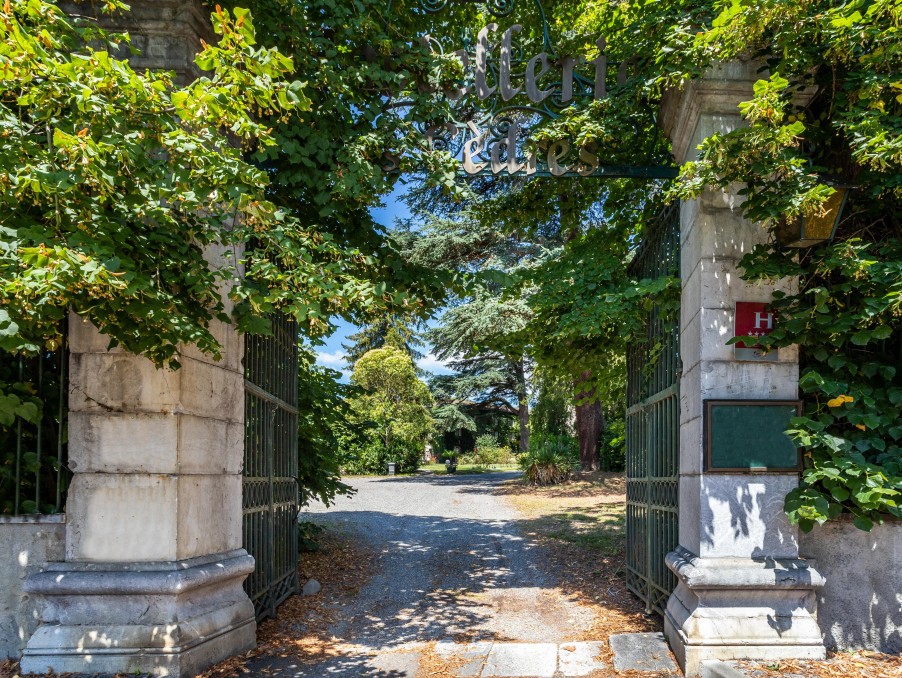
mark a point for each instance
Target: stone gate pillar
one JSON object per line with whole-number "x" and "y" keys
{"x": 742, "y": 590}
{"x": 152, "y": 581}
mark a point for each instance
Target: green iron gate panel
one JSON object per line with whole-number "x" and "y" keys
{"x": 270, "y": 492}
{"x": 33, "y": 472}
{"x": 653, "y": 426}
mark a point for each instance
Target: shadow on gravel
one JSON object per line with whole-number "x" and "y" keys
{"x": 445, "y": 578}
{"x": 357, "y": 665}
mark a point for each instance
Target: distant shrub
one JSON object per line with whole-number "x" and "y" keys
{"x": 488, "y": 451}
{"x": 486, "y": 440}
{"x": 549, "y": 462}
{"x": 565, "y": 444}
{"x": 372, "y": 457}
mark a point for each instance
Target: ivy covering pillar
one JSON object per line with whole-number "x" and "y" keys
{"x": 153, "y": 577}
{"x": 742, "y": 591}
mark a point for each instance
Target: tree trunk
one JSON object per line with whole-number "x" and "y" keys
{"x": 523, "y": 413}
{"x": 589, "y": 426}
{"x": 522, "y": 405}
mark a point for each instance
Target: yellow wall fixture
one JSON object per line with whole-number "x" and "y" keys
{"x": 806, "y": 231}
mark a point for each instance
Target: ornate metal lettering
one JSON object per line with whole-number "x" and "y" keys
{"x": 506, "y": 93}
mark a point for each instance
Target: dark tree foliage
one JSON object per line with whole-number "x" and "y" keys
{"x": 322, "y": 423}
{"x": 392, "y": 328}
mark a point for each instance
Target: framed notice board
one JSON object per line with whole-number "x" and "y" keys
{"x": 743, "y": 436}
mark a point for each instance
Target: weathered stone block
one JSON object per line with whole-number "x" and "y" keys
{"x": 209, "y": 446}
{"x": 688, "y": 216}
{"x": 692, "y": 438}
{"x": 121, "y": 382}
{"x": 743, "y": 516}
{"x": 122, "y": 517}
{"x": 209, "y": 514}
{"x": 860, "y": 607}
{"x": 722, "y": 286}
{"x": 690, "y": 526}
{"x": 765, "y": 380}
{"x": 123, "y": 442}
{"x": 84, "y": 337}
{"x": 716, "y": 329}
{"x": 166, "y": 32}
{"x": 738, "y": 608}
{"x": 690, "y": 397}
{"x": 28, "y": 542}
{"x": 690, "y": 341}
{"x": 722, "y": 232}
{"x": 211, "y": 391}
{"x": 165, "y": 619}
{"x": 690, "y": 297}
{"x": 232, "y": 351}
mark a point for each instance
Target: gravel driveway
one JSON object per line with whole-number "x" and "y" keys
{"x": 456, "y": 590}
{"x": 453, "y": 565}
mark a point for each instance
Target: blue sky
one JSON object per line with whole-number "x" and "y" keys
{"x": 332, "y": 354}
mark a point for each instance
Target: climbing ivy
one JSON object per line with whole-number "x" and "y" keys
{"x": 845, "y": 320}
{"x": 113, "y": 182}
{"x": 826, "y": 110}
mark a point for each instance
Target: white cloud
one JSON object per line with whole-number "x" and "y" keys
{"x": 336, "y": 359}
{"x": 432, "y": 364}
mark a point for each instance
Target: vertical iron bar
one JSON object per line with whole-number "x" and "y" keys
{"x": 18, "y": 452}
{"x": 38, "y": 437}
{"x": 60, "y": 413}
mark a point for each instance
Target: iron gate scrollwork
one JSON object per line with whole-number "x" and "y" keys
{"x": 270, "y": 487}
{"x": 653, "y": 426}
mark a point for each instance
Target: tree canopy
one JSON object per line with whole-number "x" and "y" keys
{"x": 114, "y": 182}
{"x": 118, "y": 186}
{"x": 392, "y": 406}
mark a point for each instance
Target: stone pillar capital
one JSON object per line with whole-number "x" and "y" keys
{"x": 715, "y": 96}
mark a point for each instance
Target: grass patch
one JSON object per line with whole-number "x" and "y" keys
{"x": 588, "y": 512}
{"x": 468, "y": 468}
{"x": 598, "y": 529}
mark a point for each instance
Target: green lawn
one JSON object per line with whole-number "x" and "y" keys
{"x": 469, "y": 468}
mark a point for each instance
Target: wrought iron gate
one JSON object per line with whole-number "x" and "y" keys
{"x": 270, "y": 490}
{"x": 653, "y": 426}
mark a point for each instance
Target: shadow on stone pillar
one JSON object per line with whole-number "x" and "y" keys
{"x": 152, "y": 581}
{"x": 154, "y": 568}
{"x": 742, "y": 590}
{"x": 163, "y": 619}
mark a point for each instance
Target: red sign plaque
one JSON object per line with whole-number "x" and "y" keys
{"x": 753, "y": 319}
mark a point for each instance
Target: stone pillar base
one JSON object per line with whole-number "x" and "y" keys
{"x": 741, "y": 608}
{"x": 165, "y": 619}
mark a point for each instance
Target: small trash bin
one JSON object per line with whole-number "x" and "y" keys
{"x": 392, "y": 468}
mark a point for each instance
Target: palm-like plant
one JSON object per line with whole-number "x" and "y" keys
{"x": 548, "y": 464}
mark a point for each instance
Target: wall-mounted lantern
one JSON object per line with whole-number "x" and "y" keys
{"x": 805, "y": 231}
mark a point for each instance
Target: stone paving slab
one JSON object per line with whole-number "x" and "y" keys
{"x": 474, "y": 653}
{"x": 519, "y": 660}
{"x": 491, "y": 660}
{"x": 579, "y": 659}
{"x": 386, "y": 665}
{"x": 642, "y": 652}
{"x": 399, "y": 664}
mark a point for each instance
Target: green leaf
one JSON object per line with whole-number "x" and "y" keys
{"x": 863, "y": 523}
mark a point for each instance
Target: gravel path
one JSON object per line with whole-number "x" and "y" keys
{"x": 453, "y": 566}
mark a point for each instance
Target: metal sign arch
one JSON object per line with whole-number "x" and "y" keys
{"x": 490, "y": 131}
